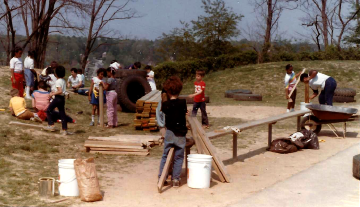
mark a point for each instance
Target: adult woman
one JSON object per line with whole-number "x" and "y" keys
{"x": 29, "y": 73}
{"x": 319, "y": 81}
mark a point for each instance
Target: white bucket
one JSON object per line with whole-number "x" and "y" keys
{"x": 303, "y": 105}
{"x": 68, "y": 185}
{"x": 199, "y": 171}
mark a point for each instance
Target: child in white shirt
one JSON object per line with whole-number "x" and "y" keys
{"x": 94, "y": 94}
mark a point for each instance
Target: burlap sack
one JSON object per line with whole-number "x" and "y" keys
{"x": 87, "y": 180}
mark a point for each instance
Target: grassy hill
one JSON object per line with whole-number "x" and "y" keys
{"x": 27, "y": 154}
{"x": 268, "y": 80}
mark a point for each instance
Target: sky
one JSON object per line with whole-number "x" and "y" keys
{"x": 161, "y": 16}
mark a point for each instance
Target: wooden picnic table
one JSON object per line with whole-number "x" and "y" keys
{"x": 270, "y": 121}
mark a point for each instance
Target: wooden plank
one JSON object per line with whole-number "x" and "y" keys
{"x": 147, "y": 96}
{"x": 118, "y": 149}
{"x": 166, "y": 168}
{"x": 89, "y": 143}
{"x": 120, "y": 153}
{"x": 212, "y": 150}
{"x": 255, "y": 123}
{"x": 26, "y": 125}
{"x": 198, "y": 143}
{"x": 101, "y": 105}
{"x": 144, "y": 139}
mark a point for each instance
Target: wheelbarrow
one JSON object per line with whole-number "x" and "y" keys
{"x": 324, "y": 114}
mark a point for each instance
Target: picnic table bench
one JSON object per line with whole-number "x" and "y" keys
{"x": 270, "y": 121}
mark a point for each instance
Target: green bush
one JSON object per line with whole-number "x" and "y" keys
{"x": 187, "y": 69}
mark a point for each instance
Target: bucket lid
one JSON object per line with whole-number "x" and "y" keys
{"x": 66, "y": 161}
{"x": 200, "y": 156}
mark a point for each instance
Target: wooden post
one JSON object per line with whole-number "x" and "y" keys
{"x": 101, "y": 105}
{"x": 307, "y": 88}
{"x": 234, "y": 145}
{"x": 344, "y": 130}
{"x": 298, "y": 123}
{"x": 269, "y": 135}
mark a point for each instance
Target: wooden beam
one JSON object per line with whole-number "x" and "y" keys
{"x": 119, "y": 153}
{"x": 211, "y": 150}
{"x": 101, "y": 104}
{"x": 89, "y": 143}
{"x": 26, "y": 125}
{"x": 166, "y": 168}
{"x": 248, "y": 125}
{"x": 118, "y": 149}
{"x": 235, "y": 136}
{"x": 307, "y": 88}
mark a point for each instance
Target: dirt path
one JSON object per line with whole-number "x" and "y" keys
{"x": 253, "y": 170}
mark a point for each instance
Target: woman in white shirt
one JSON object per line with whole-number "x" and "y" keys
{"x": 29, "y": 73}
{"x": 319, "y": 81}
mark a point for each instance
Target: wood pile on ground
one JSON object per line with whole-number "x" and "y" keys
{"x": 122, "y": 144}
{"x": 145, "y": 117}
{"x": 204, "y": 146}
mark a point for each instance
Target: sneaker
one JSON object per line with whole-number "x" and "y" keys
{"x": 37, "y": 119}
{"x": 292, "y": 110}
{"x": 92, "y": 123}
{"x": 206, "y": 126}
{"x": 49, "y": 128}
{"x": 176, "y": 183}
{"x": 65, "y": 132}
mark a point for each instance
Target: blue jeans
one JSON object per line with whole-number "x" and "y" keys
{"x": 202, "y": 106}
{"x": 179, "y": 144}
{"x": 326, "y": 95}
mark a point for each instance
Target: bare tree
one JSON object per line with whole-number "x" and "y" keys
{"x": 38, "y": 18}
{"x": 345, "y": 23}
{"x": 325, "y": 9}
{"x": 270, "y": 12}
{"x": 316, "y": 32}
{"x": 101, "y": 12}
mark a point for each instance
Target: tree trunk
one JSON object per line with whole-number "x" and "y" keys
{"x": 324, "y": 23}
{"x": 267, "y": 37}
{"x": 10, "y": 27}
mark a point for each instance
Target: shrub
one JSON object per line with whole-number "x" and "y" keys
{"x": 186, "y": 69}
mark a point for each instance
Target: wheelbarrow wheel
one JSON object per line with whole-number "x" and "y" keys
{"x": 311, "y": 123}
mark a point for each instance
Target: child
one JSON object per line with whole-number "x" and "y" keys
{"x": 175, "y": 122}
{"x": 51, "y": 79}
{"x": 80, "y": 73}
{"x": 199, "y": 98}
{"x": 94, "y": 94}
{"x": 17, "y": 107}
{"x": 29, "y": 73}
{"x": 290, "y": 81}
{"x": 150, "y": 77}
{"x": 136, "y": 65}
{"x": 115, "y": 65}
{"x": 58, "y": 102}
{"x": 41, "y": 102}
{"x": 111, "y": 98}
{"x": 74, "y": 79}
{"x": 17, "y": 71}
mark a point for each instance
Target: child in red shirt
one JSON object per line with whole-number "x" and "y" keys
{"x": 199, "y": 98}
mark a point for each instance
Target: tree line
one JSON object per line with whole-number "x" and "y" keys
{"x": 330, "y": 24}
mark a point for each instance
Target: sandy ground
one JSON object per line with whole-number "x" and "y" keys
{"x": 253, "y": 170}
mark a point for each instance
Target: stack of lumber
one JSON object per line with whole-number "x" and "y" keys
{"x": 204, "y": 146}
{"x": 145, "y": 117}
{"x": 121, "y": 144}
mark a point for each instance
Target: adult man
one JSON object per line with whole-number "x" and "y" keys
{"x": 319, "y": 81}
{"x": 75, "y": 80}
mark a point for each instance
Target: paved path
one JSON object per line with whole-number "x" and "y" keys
{"x": 329, "y": 183}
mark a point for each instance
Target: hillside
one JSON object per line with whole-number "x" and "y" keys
{"x": 28, "y": 154}
{"x": 268, "y": 80}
